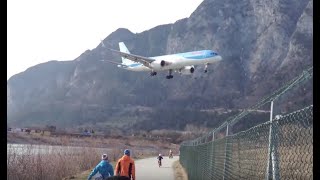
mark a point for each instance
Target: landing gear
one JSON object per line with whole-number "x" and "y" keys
{"x": 170, "y": 74}
{"x": 153, "y": 73}
{"x": 169, "y": 77}
{"x": 206, "y": 68}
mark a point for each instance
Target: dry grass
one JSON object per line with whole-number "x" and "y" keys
{"x": 29, "y": 163}
{"x": 48, "y": 164}
{"x": 179, "y": 172}
{"x": 71, "y": 162}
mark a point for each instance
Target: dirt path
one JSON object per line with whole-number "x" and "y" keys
{"x": 147, "y": 169}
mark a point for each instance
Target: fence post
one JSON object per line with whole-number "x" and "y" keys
{"x": 225, "y": 150}
{"x": 212, "y": 161}
{"x": 273, "y": 165}
{"x": 213, "y": 136}
{"x": 211, "y": 157}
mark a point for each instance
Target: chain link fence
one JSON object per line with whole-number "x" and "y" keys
{"x": 281, "y": 148}
{"x": 252, "y": 154}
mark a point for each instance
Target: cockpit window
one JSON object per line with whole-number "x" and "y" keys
{"x": 213, "y": 53}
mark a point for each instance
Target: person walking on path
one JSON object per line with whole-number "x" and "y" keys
{"x": 170, "y": 154}
{"x": 125, "y": 166}
{"x": 104, "y": 168}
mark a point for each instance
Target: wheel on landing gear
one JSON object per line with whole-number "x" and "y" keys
{"x": 169, "y": 77}
{"x": 206, "y": 68}
{"x": 153, "y": 73}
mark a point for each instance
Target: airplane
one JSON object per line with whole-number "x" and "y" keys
{"x": 182, "y": 63}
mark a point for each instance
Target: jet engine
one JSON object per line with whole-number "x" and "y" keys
{"x": 164, "y": 63}
{"x": 159, "y": 64}
{"x": 187, "y": 70}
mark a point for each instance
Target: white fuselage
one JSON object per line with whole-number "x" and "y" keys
{"x": 178, "y": 61}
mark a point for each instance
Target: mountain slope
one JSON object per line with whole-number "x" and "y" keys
{"x": 263, "y": 43}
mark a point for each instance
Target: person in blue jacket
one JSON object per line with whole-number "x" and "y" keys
{"x": 104, "y": 168}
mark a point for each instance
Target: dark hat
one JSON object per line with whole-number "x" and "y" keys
{"x": 126, "y": 152}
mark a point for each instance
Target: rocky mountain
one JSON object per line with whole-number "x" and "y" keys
{"x": 264, "y": 44}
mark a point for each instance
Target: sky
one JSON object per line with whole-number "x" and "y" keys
{"x": 42, "y": 30}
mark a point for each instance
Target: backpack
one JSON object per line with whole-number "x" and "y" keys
{"x": 118, "y": 178}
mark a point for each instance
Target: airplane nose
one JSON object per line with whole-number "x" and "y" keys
{"x": 219, "y": 58}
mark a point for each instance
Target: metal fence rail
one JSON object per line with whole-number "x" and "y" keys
{"x": 297, "y": 81}
{"x": 286, "y": 153}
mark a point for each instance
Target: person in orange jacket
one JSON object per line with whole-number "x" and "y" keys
{"x": 125, "y": 166}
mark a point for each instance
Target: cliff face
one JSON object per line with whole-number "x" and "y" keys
{"x": 263, "y": 43}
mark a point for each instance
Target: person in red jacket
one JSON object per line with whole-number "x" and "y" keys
{"x": 125, "y": 166}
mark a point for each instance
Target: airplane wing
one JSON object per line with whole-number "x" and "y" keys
{"x": 136, "y": 58}
{"x": 117, "y": 63}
